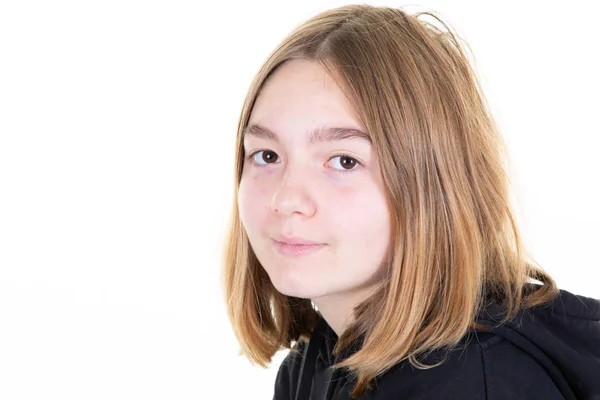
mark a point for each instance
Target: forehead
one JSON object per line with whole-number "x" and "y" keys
{"x": 301, "y": 97}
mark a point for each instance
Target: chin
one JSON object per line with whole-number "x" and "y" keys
{"x": 292, "y": 290}
{"x": 302, "y": 290}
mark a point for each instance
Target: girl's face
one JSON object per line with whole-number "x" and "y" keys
{"x": 310, "y": 174}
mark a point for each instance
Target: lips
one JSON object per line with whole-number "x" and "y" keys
{"x": 295, "y": 241}
{"x": 296, "y": 249}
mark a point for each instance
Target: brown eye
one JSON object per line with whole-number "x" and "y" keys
{"x": 263, "y": 157}
{"x": 348, "y": 163}
{"x": 268, "y": 156}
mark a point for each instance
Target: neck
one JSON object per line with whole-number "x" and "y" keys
{"x": 338, "y": 309}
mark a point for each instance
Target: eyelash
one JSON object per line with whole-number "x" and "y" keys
{"x": 250, "y": 158}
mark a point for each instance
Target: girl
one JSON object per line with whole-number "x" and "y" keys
{"x": 372, "y": 233}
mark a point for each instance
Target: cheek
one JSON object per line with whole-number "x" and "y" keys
{"x": 253, "y": 202}
{"x": 362, "y": 218}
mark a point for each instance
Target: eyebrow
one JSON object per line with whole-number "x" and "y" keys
{"x": 320, "y": 135}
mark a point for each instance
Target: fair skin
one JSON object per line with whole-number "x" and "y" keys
{"x": 329, "y": 192}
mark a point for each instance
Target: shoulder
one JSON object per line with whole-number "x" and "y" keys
{"x": 486, "y": 367}
{"x": 288, "y": 374}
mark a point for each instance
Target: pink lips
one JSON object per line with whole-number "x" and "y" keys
{"x": 297, "y": 247}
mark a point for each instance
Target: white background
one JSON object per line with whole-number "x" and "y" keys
{"x": 117, "y": 124}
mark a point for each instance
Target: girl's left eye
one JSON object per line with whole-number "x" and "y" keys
{"x": 347, "y": 161}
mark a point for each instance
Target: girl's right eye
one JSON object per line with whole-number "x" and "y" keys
{"x": 267, "y": 156}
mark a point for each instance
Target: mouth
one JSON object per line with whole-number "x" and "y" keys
{"x": 289, "y": 249}
{"x": 293, "y": 240}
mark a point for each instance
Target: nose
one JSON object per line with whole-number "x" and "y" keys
{"x": 292, "y": 196}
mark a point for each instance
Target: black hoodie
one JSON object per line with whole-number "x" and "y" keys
{"x": 547, "y": 352}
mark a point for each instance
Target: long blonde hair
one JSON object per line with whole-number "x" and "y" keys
{"x": 454, "y": 239}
